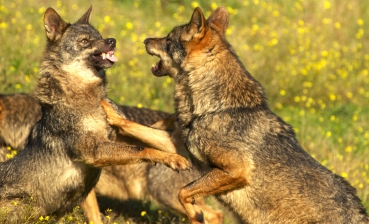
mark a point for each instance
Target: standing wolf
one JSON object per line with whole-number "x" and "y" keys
{"x": 66, "y": 149}
{"x": 250, "y": 158}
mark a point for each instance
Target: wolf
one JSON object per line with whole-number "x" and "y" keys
{"x": 18, "y": 114}
{"x": 72, "y": 141}
{"x": 249, "y": 157}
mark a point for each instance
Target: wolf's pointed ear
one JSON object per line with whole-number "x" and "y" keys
{"x": 85, "y": 19}
{"x": 54, "y": 24}
{"x": 219, "y": 20}
{"x": 197, "y": 24}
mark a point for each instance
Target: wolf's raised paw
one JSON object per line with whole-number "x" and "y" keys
{"x": 177, "y": 162}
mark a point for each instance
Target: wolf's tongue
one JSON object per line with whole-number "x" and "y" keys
{"x": 155, "y": 67}
{"x": 110, "y": 56}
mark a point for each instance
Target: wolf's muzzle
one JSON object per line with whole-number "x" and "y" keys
{"x": 111, "y": 42}
{"x": 147, "y": 40}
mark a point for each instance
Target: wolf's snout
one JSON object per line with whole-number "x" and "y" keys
{"x": 111, "y": 42}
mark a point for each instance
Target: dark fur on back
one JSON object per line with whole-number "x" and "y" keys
{"x": 142, "y": 115}
{"x": 250, "y": 158}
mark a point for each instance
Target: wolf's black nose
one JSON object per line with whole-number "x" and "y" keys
{"x": 110, "y": 41}
{"x": 147, "y": 40}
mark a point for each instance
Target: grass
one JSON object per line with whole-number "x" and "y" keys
{"x": 312, "y": 57}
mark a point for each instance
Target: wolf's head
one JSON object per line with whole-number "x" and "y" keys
{"x": 74, "y": 60}
{"x": 189, "y": 45}
{"x": 78, "y": 44}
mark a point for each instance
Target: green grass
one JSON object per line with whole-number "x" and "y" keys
{"x": 312, "y": 57}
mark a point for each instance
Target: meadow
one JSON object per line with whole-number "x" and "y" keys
{"x": 311, "y": 56}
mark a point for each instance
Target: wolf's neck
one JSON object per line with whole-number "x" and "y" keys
{"x": 220, "y": 84}
{"x": 60, "y": 87}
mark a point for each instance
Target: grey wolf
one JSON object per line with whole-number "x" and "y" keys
{"x": 249, "y": 157}
{"x": 72, "y": 141}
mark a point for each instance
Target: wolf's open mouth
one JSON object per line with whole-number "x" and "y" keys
{"x": 103, "y": 59}
{"x": 156, "y": 67}
{"x": 159, "y": 68}
{"x": 110, "y": 56}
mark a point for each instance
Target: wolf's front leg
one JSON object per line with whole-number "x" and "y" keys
{"x": 162, "y": 135}
{"x": 214, "y": 182}
{"x": 117, "y": 153}
{"x": 91, "y": 208}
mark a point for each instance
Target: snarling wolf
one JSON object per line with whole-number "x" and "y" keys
{"x": 249, "y": 157}
{"x": 72, "y": 141}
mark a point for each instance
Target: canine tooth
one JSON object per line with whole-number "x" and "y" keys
{"x": 103, "y": 56}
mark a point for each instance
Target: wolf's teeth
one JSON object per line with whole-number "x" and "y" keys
{"x": 103, "y": 56}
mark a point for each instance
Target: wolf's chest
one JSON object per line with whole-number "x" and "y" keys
{"x": 198, "y": 154}
{"x": 94, "y": 123}
{"x": 196, "y": 145}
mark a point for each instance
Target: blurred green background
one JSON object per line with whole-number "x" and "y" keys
{"x": 311, "y": 56}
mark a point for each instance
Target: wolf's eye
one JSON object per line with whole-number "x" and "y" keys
{"x": 84, "y": 41}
